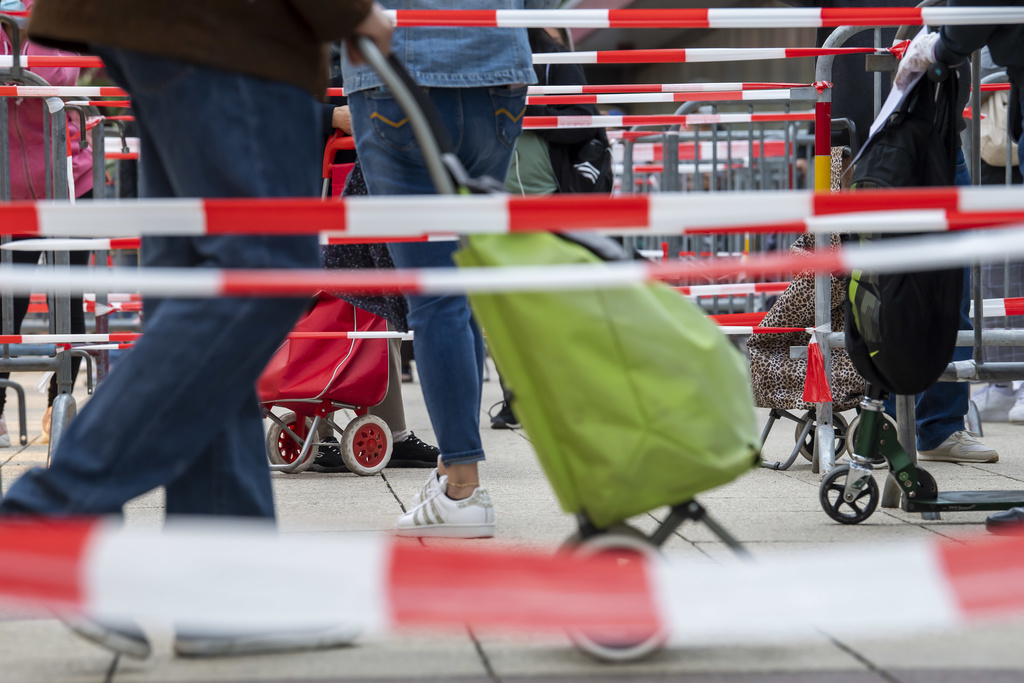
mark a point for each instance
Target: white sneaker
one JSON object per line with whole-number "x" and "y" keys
{"x": 434, "y": 483}
{"x": 961, "y": 446}
{"x": 1016, "y": 414}
{"x": 995, "y": 402}
{"x": 5, "y": 437}
{"x": 440, "y": 516}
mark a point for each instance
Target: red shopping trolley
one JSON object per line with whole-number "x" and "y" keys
{"x": 313, "y": 376}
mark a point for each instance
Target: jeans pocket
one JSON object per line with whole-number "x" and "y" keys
{"x": 509, "y": 106}
{"x": 390, "y": 122}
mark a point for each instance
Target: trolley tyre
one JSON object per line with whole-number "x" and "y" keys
{"x": 282, "y": 449}
{"x": 366, "y": 445}
{"x": 860, "y": 507}
{"x": 840, "y": 426}
{"x": 610, "y": 646}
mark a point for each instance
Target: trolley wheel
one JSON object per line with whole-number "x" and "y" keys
{"x": 855, "y": 511}
{"x": 366, "y": 445}
{"x": 282, "y": 449}
{"x": 878, "y": 462}
{"x": 625, "y": 544}
{"x": 807, "y": 446}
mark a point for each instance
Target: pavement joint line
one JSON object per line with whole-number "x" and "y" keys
{"x": 393, "y": 492}
{"x": 485, "y": 661}
{"x": 871, "y": 666}
{"x": 112, "y": 671}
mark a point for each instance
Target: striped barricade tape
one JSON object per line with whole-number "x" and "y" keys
{"x": 649, "y": 98}
{"x": 734, "y": 289}
{"x": 60, "y": 91}
{"x": 66, "y": 244}
{"x": 694, "y": 55}
{"x": 212, "y": 576}
{"x": 891, "y": 256}
{"x": 909, "y": 210}
{"x": 562, "y": 122}
{"x": 712, "y": 18}
{"x": 128, "y": 337}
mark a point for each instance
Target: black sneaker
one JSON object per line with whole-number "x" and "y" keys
{"x": 413, "y": 452}
{"x": 505, "y": 418}
{"x": 328, "y": 458}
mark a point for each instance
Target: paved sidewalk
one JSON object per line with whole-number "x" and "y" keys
{"x": 769, "y": 511}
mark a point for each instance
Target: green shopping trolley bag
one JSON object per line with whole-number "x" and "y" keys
{"x": 631, "y": 397}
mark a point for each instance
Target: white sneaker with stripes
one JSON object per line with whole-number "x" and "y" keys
{"x": 440, "y": 516}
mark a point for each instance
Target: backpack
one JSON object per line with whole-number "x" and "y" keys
{"x": 901, "y": 328}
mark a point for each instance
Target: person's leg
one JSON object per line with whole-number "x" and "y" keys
{"x": 200, "y": 358}
{"x": 940, "y": 410}
{"x": 391, "y": 409}
{"x": 483, "y": 124}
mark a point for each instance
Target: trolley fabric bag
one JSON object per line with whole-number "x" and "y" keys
{"x": 631, "y": 397}
{"x": 901, "y": 328}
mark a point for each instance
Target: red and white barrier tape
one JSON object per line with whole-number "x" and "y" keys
{"x": 70, "y": 244}
{"x": 908, "y": 254}
{"x": 561, "y": 122}
{"x": 734, "y": 289}
{"x": 693, "y": 55}
{"x": 1000, "y": 308}
{"x": 738, "y": 150}
{"x": 646, "y": 98}
{"x": 910, "y": 210}
{"x": 212, "y": 577}
{"x": 712, "y": 18}
{"x": 135, "y": 336}
{"x": 639, "y": 87}
{"x": 50, "y": 61}
{"x": 59, "y": 91}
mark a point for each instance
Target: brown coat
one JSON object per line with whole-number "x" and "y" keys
{"x": 280, "y": 40}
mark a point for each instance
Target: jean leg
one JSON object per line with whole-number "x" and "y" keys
{"x": 229, "y": 477}
{"x": 185, "y": 392}
{"x": 446, "y": 357}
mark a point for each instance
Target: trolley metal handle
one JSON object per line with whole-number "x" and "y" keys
{"x": 413, "y": 103}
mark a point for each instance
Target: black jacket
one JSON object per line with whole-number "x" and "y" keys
{"x": 562, "y": 143}
{"x": 1006, "y": 43}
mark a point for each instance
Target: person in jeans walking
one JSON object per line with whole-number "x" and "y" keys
{"x": 476, "y": 78}
{"x": 216, "y": 118}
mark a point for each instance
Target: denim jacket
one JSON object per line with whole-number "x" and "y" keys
{"x": 453, "y": 57}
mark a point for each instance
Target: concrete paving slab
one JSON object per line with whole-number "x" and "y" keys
{"x": 398, "y": 657}
{"x": 45, "y": 651}
{"x": 556, "y": 656}
{"x": 992, "y": 647}
{"x": 312, "y": 500}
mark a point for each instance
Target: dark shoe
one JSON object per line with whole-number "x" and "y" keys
{"x": 126, "y": 639}
{"x": 328, "y": 458}
{"x": 413, "y": 452}
{"x": 505, "y": 419}
{"x": 267, "y": 643}
{"x": 1006, "y": 523}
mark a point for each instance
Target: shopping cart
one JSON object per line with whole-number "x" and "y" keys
{"x": 632, "y": 398}
{"x": 314, "y": 376}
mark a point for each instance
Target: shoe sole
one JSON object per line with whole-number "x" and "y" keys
{"x": 505, "y": 425}
{"x": 108, "y": 638}
{"x": 265, "y": 644}
{"x": 448, "y": 531}
{"x": 412, "y": 464}
{"x": 966, "y": 461}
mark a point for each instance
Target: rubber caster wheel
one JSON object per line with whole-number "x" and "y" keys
{"x": 807, "y": 445}
{"x": 366, "y": 445}
{"x": 626, "y": 644}
{"x": 282, "y": 449}
{"x": 830, "y": 495}
{"x": 878, "y": 462}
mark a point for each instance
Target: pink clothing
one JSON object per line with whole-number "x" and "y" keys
{"x": 25, "y": 134}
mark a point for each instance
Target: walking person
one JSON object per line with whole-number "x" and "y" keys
{"x": 216, "y": 118}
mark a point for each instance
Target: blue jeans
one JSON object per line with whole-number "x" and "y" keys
{"x": 940, "y": 409}
{"x": 180, "y": 409}
{"x": 483, "y": 124}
